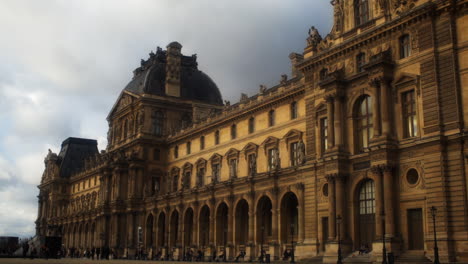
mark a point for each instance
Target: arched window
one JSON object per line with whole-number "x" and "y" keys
{"x": 405, "y": 47}
{"x": 366, "y": 213}
{"x": 233, "y": 131}
{"x": 361, "y": 11}
{"x": 271, "y": 118}
{"x": 251, "y": 125}
{"x": 293, "y": 110}
{"x": 364, "y": 125}
{"x": 216, "y": 137}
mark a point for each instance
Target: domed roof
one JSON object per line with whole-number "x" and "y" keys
{"x": 150, "y": 78}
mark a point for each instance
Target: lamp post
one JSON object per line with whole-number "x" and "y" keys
{"x": 261, "y": 244}
{"x": 292, "y": 244}
{"x": 338, "y": 222}
{"x": 436, "y": 249}
{"x": 384, "y": 248}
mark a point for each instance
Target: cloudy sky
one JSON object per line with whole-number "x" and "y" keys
{"x": 63, "y": 63}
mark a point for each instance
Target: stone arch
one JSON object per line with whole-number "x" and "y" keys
{"x": 188, "y": 227}
{"x": 221, "y": 224}
{"x": 289, "y": 214}
{"x": 204, "y": 226}
{"x": 149, "y": 238}
{"x": 161, "y": 241}
{"x": 264, "y": 219}
{"x": 174, "y": 229}
{"x": 241, "y": 222}
{"x": 364, "y": 212}
{"x": 354, "y": 98}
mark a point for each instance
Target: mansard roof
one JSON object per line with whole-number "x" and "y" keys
{"x": 73, "y": 153}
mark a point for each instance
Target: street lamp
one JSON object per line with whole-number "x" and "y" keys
{"x": 261, "y": 244}
{"x": 436, "y": 249}
{"x": 338, "y": 222}
{"x": 384, "y": 249}
{"x": 292, "y": 244}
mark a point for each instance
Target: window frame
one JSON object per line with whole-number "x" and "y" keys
{"x": 202, "y": 142}
{"x": 360, "y": 62}
{"x": 216, "y": 137}
{"x": 359, "y": 118}
{"x": 323, "y": 134}
{"x": 294, "y": 110}
{"x": 251, "y": 124}
{"x": 404, "y": 43}
{"x": 233, "y": 131}
{"x": 407, "y": 117}
{"x": 271, "y": 117}
{"x": 361, "y": 12}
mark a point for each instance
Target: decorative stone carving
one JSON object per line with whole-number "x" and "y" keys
{"x": 262, "y": 89}
{"x": 284, "y": 79}
{"x": 314, "y": 38}
{"x": 338, "y": 15}
{"x": 401, "y": 6}
{"x": 244, "y": 98}
{"x": 227, "y": 103}
{"x": 301, "y": 153}
{"x": 253, "y": 165}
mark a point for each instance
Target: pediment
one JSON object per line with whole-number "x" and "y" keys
{"x": 251, "y": 147}
{"x": 406, "y": 79}
{"x": 125, "y": 99}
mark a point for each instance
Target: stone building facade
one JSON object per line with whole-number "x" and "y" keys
{"x": 359, "y": 143}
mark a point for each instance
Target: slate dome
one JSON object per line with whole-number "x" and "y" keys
{"x": 150, "y": 78}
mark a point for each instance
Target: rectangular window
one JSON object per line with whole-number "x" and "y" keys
{"x": 405, "y": 47}
{"x": 176, "y": 152}
{"x": 294, "y": 153}
{"x": 215, "y": 167}
{"x": 233, "y": 131}
{"x": 360, "y": 61}
{"x": 251, "y": 125}
{"x": 202, "y": 142}
{"x": 271, "y": 118}
{"x": 324, "y": 134}
{"x": 361, "y": 11}
{"x": 293, "y": 110}
{"x": 410, "y": 122}
{"x": 156, "y": 154}
{"x": 216, "y": 137}
{"x": 233, "y": 168}
{"x": 189, "y": 148}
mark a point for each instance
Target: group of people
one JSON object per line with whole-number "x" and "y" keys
{"x": 93, "y": 253}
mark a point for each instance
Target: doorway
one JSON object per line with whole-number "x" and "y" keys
{"x": 415, "y": 229}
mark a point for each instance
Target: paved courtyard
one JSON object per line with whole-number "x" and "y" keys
{"x": 86, "y": 261}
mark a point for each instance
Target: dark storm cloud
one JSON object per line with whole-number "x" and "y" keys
{"x": 64, "y": 64}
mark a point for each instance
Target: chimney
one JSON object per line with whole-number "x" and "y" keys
{"x": 173, "y": 61}
{"x": 295, "y": 59}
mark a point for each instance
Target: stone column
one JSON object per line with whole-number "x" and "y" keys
{"x": 330, "y": 119}
{"x": 338, "y": 121}
{"x": 196, "y": 222}
{"x": 388, "y": 201}
{"x": 230, "y": 234}
{"x": 252, "y": 237}
{"x": 340, "y": 203}
{"x": 300, "y": 212}
{"x": 375, "y": 108}
{"x": 384, "y": 90}
{"x": 331, "y": 207}
{"x": 212, "y": 222}
{"x": 378, "y": 201}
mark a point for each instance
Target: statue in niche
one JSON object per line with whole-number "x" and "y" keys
{"x": 301, "y": 153}
{"x": 383, "y": 6}
{"x": 253, "y": 165}
{"x": 276, "y": 160}
{"x": 338, "y": 15}
{"x": 141, "y": 119}
{"x": 314, "y": 38}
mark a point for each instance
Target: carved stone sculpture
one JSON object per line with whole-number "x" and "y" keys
{"x": 314, "y": 38}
